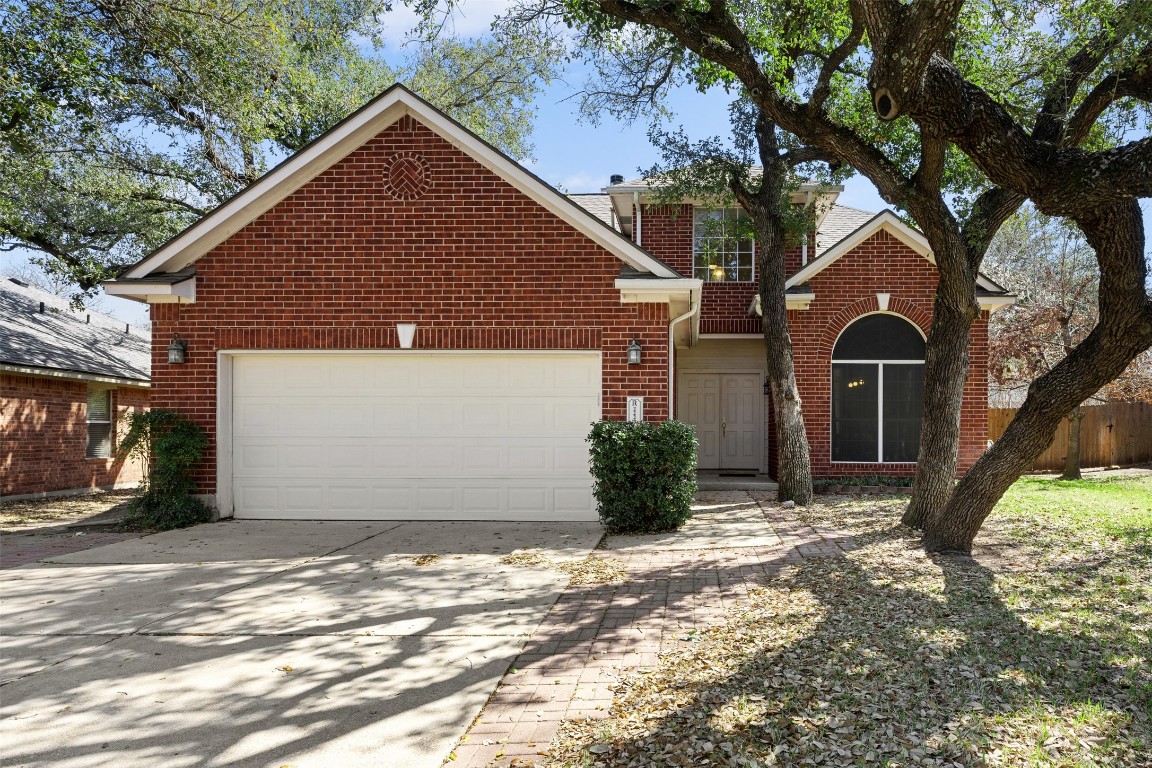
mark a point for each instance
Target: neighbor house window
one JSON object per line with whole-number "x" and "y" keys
{"x": 99, "y": 423}
{"x": 722, "y": 246}
{"x": 877, "y": 391}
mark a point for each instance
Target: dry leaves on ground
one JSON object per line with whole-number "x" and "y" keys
{"x": 593, "y": 569}
{"x": 889, "y": 657}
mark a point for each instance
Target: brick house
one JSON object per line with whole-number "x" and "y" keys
{"x": 66, "y": 378}
{"x": 859, "y": 297}
{"x": 401, "y": 322}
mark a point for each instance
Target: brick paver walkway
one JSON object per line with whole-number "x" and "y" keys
{"x": 596, "y": 634}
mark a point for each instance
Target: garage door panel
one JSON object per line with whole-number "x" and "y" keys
{"x": 413, "y": 500}
{"x": 426, "y": 457}
{"x": 414, "y": 436}
{"x": 411, "y": 416}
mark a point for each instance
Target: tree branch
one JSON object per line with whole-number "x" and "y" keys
{"x": 1135, "y": 81}
{"x": 721, "y": 40}
{"x": 833, "y": 63}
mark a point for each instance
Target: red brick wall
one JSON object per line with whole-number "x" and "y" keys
{"x": 844, "y": 291}
{"x": 44, "y": 434}
{"x": 474, "y": 262}
{"x": 666, "y": 232}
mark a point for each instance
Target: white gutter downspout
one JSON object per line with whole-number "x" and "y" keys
{"x": 639, "y": 218}
{"x": 694, "y": 308}
{"x": 804, "y": 246}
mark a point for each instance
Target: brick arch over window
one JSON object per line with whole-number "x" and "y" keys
{"x": 854, "y": 311}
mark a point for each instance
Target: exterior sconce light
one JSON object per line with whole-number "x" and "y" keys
{"x": 634, "y": 352}
{"x": 406, "y": 333}
{"x": 177, "y": 349}
{"x": 767, "y": 386}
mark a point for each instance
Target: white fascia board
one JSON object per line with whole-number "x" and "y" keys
{"x": 301, "y": 168}
{"x": 798, "y": 300}
{"x": 885, "y": 220}
{"x": 987, "y": 284}
{"x": 656, "y": 291}
{"x": 993, "y": 303}
{"x": 54, "y": 373}
{"x": 150, "y": 292}
{"x": 791, "y": 301}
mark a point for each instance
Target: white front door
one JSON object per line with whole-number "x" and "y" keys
{"x": 727, "y": 411}
{"x": 413, "y": 435}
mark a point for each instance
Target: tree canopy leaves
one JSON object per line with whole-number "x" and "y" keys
{"x": 122, "y": 121}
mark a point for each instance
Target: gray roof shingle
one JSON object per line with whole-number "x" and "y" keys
{"x": 59, "y": 338}
{"x": 840, "y": 222}
{"x": 596, "y": 203}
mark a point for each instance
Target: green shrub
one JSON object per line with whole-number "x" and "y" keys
{"x": 644, "y": 473}
{"x": 170, "y": 445}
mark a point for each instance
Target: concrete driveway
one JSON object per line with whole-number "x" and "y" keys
{"x": 333, "y": 644}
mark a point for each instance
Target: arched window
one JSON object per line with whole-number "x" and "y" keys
{"x": 877, "y": 390}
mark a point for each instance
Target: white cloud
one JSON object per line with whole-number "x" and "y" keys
{"x": 469, "y": 18}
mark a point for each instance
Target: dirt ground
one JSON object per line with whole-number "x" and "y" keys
{"x": 60, "y": 510}
{"x": 36, "y": 529}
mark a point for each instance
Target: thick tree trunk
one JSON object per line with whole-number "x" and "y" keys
{"x": 1072, "y": 460}
{"x": 795, "y": 473}
{"x": 765, "y": 205}
{"x": 1123, "y": 331}
{"x": 945, "y": 371}
{"x": 945, "y": 356}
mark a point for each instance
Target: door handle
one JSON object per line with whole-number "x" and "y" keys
{"x": 723, "y": 426}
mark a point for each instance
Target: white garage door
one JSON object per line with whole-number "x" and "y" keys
{"x": 413, "y": 435}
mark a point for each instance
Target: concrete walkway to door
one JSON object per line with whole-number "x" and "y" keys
{"x": 269, "y": 643}
{"x": 677, "y": 583}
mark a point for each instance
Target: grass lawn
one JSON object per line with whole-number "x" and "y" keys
{"x": 1036, "y": 652}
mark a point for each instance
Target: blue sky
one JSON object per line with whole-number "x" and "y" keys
{"x": 569, "y": 151}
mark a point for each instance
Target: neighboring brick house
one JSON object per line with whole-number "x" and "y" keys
{"x": 401, "y": 322}
{"x": 66, "y": 378}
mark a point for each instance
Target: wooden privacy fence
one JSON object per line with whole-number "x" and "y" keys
{"x": 1113, "y": 434}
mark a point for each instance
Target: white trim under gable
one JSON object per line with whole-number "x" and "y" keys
{"x": 889, "y": 222}
{"x": 152, "y": 292}
{"x": 353, "y": 132}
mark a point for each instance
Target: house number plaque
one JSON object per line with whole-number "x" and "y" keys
{"x": 635, "y": 409}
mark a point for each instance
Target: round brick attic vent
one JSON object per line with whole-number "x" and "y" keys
{"x": 407, "y": 176}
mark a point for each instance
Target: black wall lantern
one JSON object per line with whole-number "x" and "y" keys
{"x": 634, "y": 352}
{"x": 767, "y": 386}
{"x": 177, "y": 349}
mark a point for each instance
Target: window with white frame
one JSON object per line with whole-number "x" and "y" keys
{"x": 877, "y": 391}
{"x": 99, "y": 423}
{"x": 722, "y": 247}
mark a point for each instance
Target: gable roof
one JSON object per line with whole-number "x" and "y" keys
{"x": 343, "y": 138}
{"x": 60, "y": 341}
{"x": 887, "y": 221}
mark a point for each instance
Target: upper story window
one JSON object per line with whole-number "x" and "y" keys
{"x": 722, "y": 247}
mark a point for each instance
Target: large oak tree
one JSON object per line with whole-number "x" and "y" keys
{"x": 778, "y": 52}
{"x": 1043, "y": 158}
